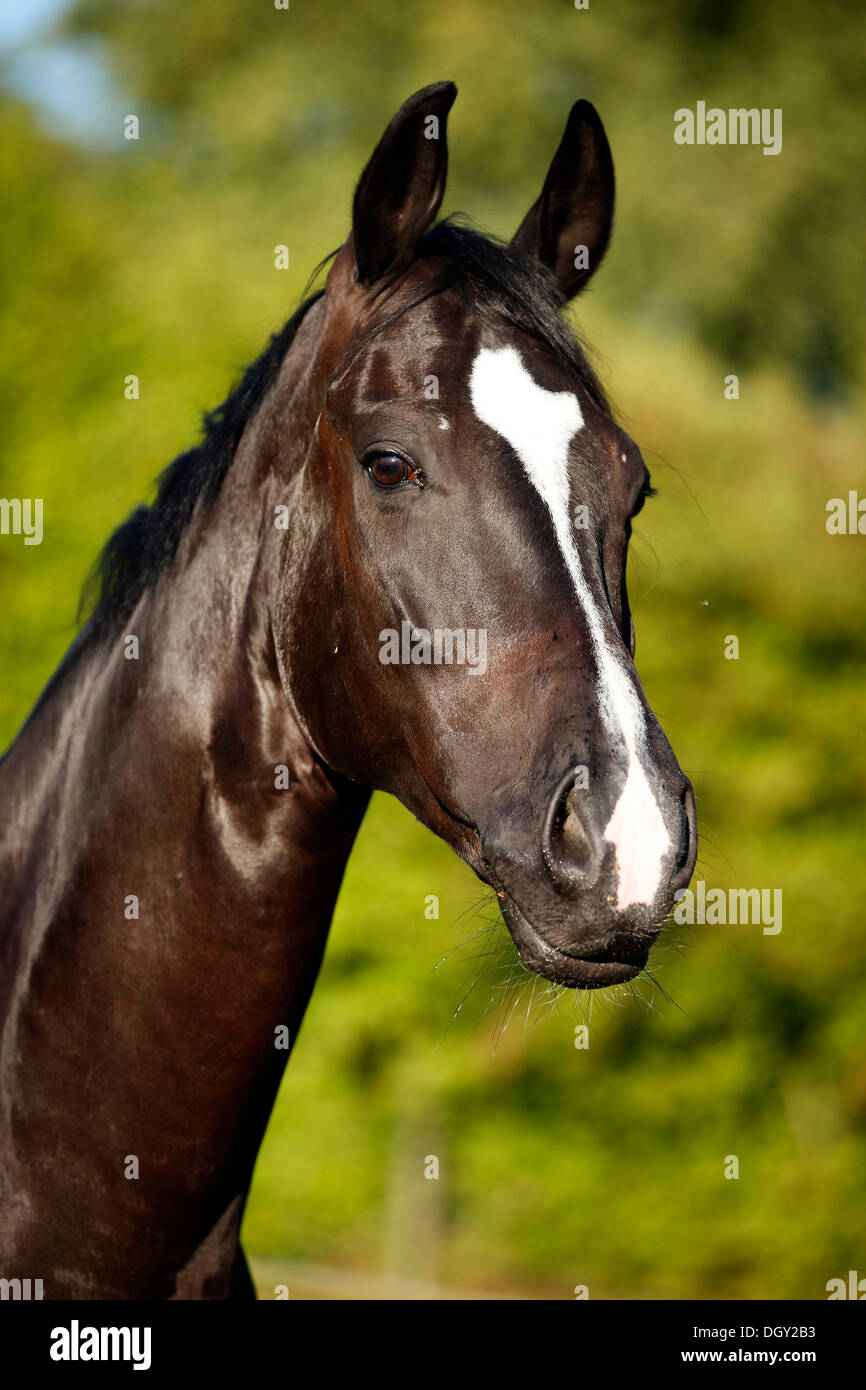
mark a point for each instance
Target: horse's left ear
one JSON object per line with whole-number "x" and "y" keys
{"x": 567, "y": 229}
{"x": 401, "y": 189}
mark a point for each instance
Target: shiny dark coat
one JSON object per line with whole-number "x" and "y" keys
{"x": 154, "y": 1038}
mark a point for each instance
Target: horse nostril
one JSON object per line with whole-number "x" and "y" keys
{"x": 571, "y": 833}
{"x": 688, "y": 851}
{"x": 570, "y": 849}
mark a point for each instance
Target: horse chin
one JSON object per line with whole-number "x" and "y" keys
{"x": 595, "y": 971}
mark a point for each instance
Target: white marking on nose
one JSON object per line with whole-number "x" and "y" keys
{"x": 443, "y": 423}
{"x": 540, "y": 425}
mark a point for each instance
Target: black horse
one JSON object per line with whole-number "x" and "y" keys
{"x": 420, "y": 468}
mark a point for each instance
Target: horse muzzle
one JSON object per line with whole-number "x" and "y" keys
{"x": 583, "y": 903}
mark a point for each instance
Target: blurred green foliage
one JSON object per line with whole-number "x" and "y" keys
{"x": 558, "y": 1166}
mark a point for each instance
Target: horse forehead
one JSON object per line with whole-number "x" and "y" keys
{"x": 539, "y": 424}
{"x": 424, "y": 354}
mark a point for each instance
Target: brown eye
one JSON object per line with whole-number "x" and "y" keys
{"x": 388, "y": 470}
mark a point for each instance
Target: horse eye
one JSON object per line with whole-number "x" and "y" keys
{"x": 388, "y": 470}
{"x": 646, "y": 491}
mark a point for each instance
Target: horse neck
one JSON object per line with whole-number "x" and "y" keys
{"x": 181, "y": 787}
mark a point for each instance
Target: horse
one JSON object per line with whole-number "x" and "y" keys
{"x": 424, "y": 448}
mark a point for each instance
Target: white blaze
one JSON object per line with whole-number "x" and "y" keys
{"x": 540, "y": 425}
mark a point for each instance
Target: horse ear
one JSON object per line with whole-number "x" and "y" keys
{"x": 400, "y": 190}
{"x": 567, "y": 229}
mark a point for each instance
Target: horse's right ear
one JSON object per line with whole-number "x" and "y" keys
{"x": 567, "y": 229}
{"x": 401, "y": 189}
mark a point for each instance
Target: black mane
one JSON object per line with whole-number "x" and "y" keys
{"x": 498, "y": 284}
{"x": 144, "y": 546}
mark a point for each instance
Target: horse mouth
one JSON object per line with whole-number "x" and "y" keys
{"x": 590, "y": 971}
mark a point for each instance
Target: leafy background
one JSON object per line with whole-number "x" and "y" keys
{"x": 559, "y": 1166}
